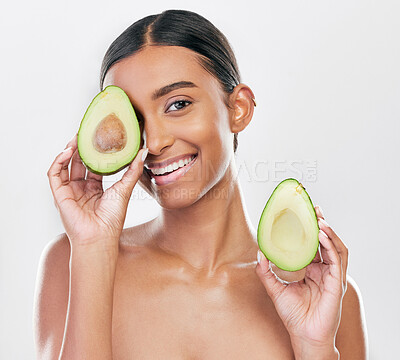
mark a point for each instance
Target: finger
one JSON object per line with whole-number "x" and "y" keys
{"x": 56, "y": 169}
{"x": 287, "y": 277}
{"x": 73, "y": 142}
{"x": 338, "y": 243}
{"x": 317, "y": 258}
{"x": 340, "y": 246}
{"x": 78, "y": 170}
{"x": 320, "y": 214}
{"x": 272, "y": 285}
{"x": 124, "y": 187}
{"x": 64, "y": 174}
{"x": 330, "y": 256}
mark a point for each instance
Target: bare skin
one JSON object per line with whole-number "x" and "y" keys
{"x": 186, "y": 285}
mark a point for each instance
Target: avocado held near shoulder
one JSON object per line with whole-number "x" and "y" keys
{"x": 109, "y": 134}
{"x": 288, "y": 230}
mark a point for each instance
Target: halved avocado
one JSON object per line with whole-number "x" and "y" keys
{"x": 109, "y": 134}
{"x": 288, "y": 229}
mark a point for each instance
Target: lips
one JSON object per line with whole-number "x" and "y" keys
{"x": 171, "y": 176}
{"x": 165, "y": 163}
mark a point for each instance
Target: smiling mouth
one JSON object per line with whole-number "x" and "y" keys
{"x": 182, "y": 165}
{"x": 170, "y": 176}
{"x": 172, "y": 167}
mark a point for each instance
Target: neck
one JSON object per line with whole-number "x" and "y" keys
{"x": 213, "y": 231}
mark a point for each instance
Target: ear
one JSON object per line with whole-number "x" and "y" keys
{"x": 242, "y": 104}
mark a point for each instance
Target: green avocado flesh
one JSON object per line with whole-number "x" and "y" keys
{"x": 109, "y": 134}
{"x": 288, "y": 229}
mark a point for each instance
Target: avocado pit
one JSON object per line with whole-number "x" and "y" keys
{"x": 110, "y": 135}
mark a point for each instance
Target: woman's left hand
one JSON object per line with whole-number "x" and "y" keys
{"x": 311, "y": 308}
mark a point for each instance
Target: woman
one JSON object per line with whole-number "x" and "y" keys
{"x": 185, "y": 285}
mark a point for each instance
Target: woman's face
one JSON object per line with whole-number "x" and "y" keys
{"x": 178, "y": 121}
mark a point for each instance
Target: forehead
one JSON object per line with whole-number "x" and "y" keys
{"x": 156, "y": 66}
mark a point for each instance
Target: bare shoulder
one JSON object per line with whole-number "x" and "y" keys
{"x": 51, "y": 297}
{"x": 57, "y": 248}
{"x": 52, "y": 287}
{"x": 352, "y": 338}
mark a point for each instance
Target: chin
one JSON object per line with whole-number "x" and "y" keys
{"x": 169, "y": 197}
{"x": 184, "y": 192}
{"x": 177, "y": 197}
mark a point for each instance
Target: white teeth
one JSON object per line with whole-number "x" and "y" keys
{"x": 171, "y": 167}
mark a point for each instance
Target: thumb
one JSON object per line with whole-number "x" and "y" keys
{"x": 124, "y": 187}
{"x": 273, "y": 286}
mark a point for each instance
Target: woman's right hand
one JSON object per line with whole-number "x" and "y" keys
{"x": 89, "y": 214}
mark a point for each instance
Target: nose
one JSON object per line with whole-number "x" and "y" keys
{"x": 157, "y": 137}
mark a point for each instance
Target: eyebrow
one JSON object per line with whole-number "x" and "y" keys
{"x": 168, "y": 88}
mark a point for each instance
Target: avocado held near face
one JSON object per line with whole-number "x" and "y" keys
{"x": 288, "y": 228}
{"x": 109, "y": 134}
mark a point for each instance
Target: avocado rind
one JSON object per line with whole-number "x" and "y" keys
{"x": 314, "y": 241}
{"x": 112, "y": 163}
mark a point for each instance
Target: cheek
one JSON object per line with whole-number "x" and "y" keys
{"x": 210, "y": 133}
{"x": 219, "y": 138}
{"x": 206, "y": 129}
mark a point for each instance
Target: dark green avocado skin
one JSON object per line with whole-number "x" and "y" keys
{"x": 265, "y": 207}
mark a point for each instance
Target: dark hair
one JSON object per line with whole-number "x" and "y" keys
{"x": 179, "y": 28}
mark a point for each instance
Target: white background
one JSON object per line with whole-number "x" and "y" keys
{"x": 327, "y": 82}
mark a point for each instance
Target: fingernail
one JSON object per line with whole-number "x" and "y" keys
{"x": 323, "y": 222}
{"x": 260, "y": 256}
{"x": 73, "y": 137}
{"x": 144, "y": 138}
{"x": 67, "y": 149}
{"x": 320, "y": 210}
{"x": 144, "y": 155}
{"x": 323, "y": 233}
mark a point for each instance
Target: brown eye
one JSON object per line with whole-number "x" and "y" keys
{"x": 179, "y": 105}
